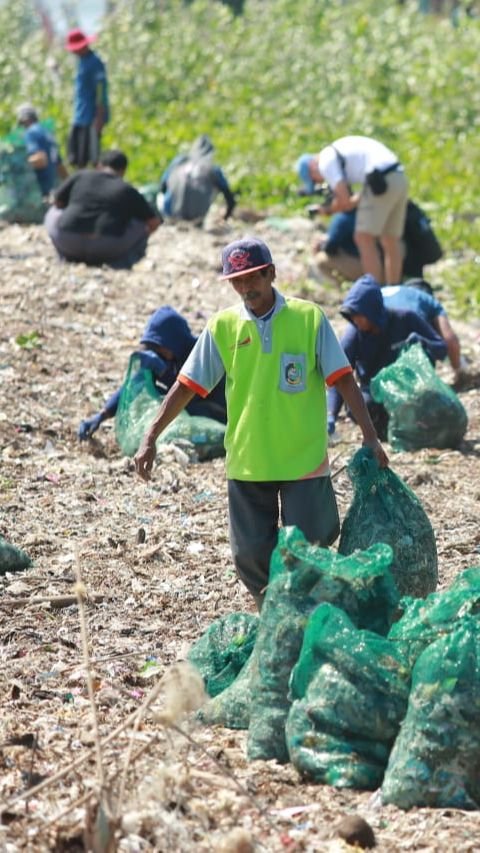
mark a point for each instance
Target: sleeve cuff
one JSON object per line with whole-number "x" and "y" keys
{"x": 334, "y": 377}
{"x": 189, "y": 383}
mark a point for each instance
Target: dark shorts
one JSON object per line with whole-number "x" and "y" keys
{"x": 83, "y": 146}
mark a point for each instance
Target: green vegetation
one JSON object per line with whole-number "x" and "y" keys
{"x": 282, "y": 78}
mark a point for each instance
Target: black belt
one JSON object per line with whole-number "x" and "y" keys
{"x": 392, "y": 168}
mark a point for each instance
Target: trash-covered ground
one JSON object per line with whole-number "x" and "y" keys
{"x": 154, "y": 562}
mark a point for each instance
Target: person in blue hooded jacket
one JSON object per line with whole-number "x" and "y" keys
{"x": 373, "y": 340}
{"x": 166, "y": 342}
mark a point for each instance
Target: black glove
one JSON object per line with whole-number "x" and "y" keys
{"x": 89, "y": 426}
{"x": 231, "y": 202}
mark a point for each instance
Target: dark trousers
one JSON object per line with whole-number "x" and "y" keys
{"x": 97, "y": 249}
{"x": 83, "y": 146}
{"x": 254, "y": 514}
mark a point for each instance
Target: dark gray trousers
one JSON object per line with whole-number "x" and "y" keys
{"x": 254, "y": 514}
{"x": 97, "y": 249}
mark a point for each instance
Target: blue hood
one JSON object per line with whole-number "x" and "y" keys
{"x": 365, "y": 297}
{"x": 167, "y": 328}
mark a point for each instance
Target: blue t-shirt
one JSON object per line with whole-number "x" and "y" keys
{"x": 37, "y": 138}
{"x": 405, "y": 298}
{"x": 91, "y": 89}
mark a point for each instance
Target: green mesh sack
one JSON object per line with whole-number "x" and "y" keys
{"x": 12, "y": 559}
{"x": 424, "y": 621}
{"x": 20, "y": 196}
{"x": 232, "y": 707}
{"x": 423, "y": 410}
{"x": 361, "y": 584}
{"x": 384, "y": 509}
{"x": 137, "y": 407}
{"x": 332, "y": 760}
{"x": 435, "y": 759}
{"x": 351, "y": 686}
{"x": 224, "y": 649}
{"x": 301, "y": 576}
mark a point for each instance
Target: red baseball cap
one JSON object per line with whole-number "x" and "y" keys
{"x": 77, "y": 40}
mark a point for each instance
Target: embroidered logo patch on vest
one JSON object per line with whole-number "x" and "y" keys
{"x": 294, "y": 373}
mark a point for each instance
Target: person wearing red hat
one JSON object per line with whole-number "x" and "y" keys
{"x": 276, "y": 354}
{"x": 90, "y": 102}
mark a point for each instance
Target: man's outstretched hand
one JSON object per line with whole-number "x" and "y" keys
{"x": 144, "y": 459}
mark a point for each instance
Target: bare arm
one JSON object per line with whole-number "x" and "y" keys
{"x": 153, "y": 223}
{"x": 352, "y": 396}
{"x": 342, "y": 199}
{"x": 39, "y": 160}
{"x": 444, "y": 329}
{"x": 177, "y": 398}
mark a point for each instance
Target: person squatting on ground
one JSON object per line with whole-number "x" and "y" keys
{"x": 165, "y": 344}
{"x": 98, "y": 218}
{"x": 276, "y": 353}
{"x": 42, "y": 150}
{"x": 91, "y": 110}
{"x": 381, "y": 202}
{"x": 190, "y": 183}
{"x": 373, "y": 340}
{"x": 337, "y": 257}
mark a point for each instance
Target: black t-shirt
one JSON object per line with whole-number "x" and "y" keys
{"x": 99, "y": 203}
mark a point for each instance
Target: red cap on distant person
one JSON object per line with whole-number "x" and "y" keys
{"x": 77, "y": 40}
{"x": 245, "y": 256}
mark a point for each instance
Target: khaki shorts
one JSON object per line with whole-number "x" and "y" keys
{"x": 384, "y": 214}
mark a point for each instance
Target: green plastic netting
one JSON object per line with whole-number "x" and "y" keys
{"x": 12, "y": 559}
{"x": 138, "y": 405}
{"x": 330, "y": 760}
{"x": 224, "y": 649}
{"x": 20, "y": 196}
{"x": 301, "y": 576}
{"x": 424, "y": 621}
{"x": 352, "y": 686}
{"x": 435, "y": 760}
{"x": 231, "y": 708}
{"x": 423, "y": 410}
{"x": 384, "y": 509}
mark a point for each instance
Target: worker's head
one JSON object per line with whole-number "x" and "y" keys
{"x": 308, "y": 171}
{"x": 113, "y": 160}
{"x": 248, "y": 265}
{"x": 78, "y": 43}
{"x": 363, "y": 305}
{"x": 26, "y": 115}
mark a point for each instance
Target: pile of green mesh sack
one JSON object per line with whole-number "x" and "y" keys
{"x": 12, "y": 559}
{"x": 435, "y": 759}
{"x": 20, "y": 196}
{"x": 423, "y": 411}
{"x": 384, "y": 509}
{"x": 350, "y": 690}
{"x": 138, "y": 405}
{"x": 301, "y": 576}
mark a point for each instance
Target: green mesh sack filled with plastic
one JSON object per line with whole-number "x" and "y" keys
{"x": 361, "y": 584}
{"x": 12, "y": 559}
{"x": 384, "y": 509}
{"x": 138, "y": 405}
{"x": 20, "y": 196}
{"x": 424, "y": 621}
{"x": 224, "y": 649}
{"x": 423, "y": 410}
{"x": 231, "y": 708}
{"x": 435, "y": 759}
{"x": 301, "y": 576}
{"x": 329, "y": 759}
{"x": 351, "y": 691}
